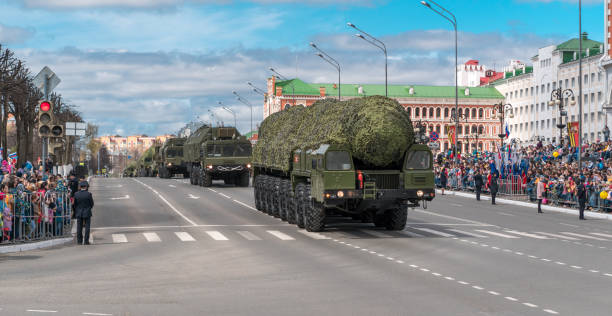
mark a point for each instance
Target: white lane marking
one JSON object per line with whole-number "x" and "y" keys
{"x": 458, "y": 205}
{"x": 184, "y": 236}
{"x": 183, "y": 226}
{"x": 435, "y": 232}
{"x": 97, "y": 314}
{"x": 550, "y": 311}
{"x": 424, "y": 270}
{"x": 530, "y": 305}
{"x": 450, "y": 278}
{"x": 451, "y": 224}
{"x": 191, "y": 196}
{"x": 126, "y": 197}
{"x": 477, "y": 287}
{"x": 119, "y": 238}
{"x": 172, "y": 185}
{"x": 608, "y": 274}
{"x": 248, "y": 235}
{"x": 496, "y": 234}
{"x": 40, "y": 311}
{"x": 505, "y": 214}
{"x": 410, "y": 234}
{"x": 375, "y": 233}
{"x": 436, "y": 274}
{"x": 225, "y": 196}
{"x": 468, "y": 233}
{"x": 312, "y": 235}
{"x": 213, "y": 190}
{"x": 525, "y": 234}
{"x": 570, "y": 225}
{"x": 576, "y": 267}
{"x": 493, "y": 293}
{"x": 167, "y": 203}
{"x": 279, "y": 235}
{"x": 216, "y": 235}
{"x": 451, "y": 217}
{"x": 245, "y": 205}
{"x": 510, "y": 298}
{"x": 560, "y": 263}
{"x": 463, "y": 282}
{"x": 602, "y": 235}
{"x": 151, "y": 237}
{"x": 594, "y": 271}
{"x": 557, "y": 236}
{"x": 584, "y": 236}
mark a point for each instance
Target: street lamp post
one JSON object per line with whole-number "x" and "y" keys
{"x": 229, "y": 110}
{"x": 457, "y": 117}
{"x": 256, "y": 90}
{"x": 239, "y": 98}
{"x": 376, "y": 42}
{"x": 453, "y": 21}
{"x": 284, "y": 78}
{"x": 557, "y": 98}
{"x": 212, "y": 117}
{"x": 330, "y": 61}
{"x": 501, "y": 110}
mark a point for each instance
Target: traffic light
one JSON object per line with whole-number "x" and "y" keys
{"x": 45, "y": 118}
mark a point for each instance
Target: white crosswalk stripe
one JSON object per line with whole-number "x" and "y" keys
{"x": 525, "y": 234}
{"x": 248, "y": 235}
{"x": 496, "y": 234}
{"x": 151, "y": 237}
{"x": 375, "y": 233}
{"x": 313, "y": 235}
{"x": 410, "y": 234}
{"x": 468, "y": 233}
{"x": 583, "y": 236}
{"x": 602, "y": 235}
{"x": 184, "y": 236}
{"x": 434, "y": 232}
{"x": 279, "y": 235}
{"x": 557, "y": 236}
{"x": 119, "y": 238}
{"x": 216, "y": 235}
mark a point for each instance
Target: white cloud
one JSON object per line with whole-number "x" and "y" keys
{"x": 11, "y": 35}
{"x": 148, "y": 4}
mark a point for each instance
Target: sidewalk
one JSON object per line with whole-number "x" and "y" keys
{"x": 528, "y": 204}
{"x": 36, "y": 245}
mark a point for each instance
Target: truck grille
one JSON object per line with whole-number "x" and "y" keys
{"x": 419, "y": 179}
{"x": 385, "y": 181}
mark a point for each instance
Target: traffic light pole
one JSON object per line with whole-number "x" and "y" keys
{"x": 45, "y": 140}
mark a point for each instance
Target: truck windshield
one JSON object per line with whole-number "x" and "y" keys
{"x": 174, "y": 152}
{"x": 338, "y": 160}
{"x": 419, "y": 160}
{"x": 229, "y": 150}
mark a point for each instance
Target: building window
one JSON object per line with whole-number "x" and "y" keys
{"x": 548, "y": 87}
{"x": 566, "y": 82}
{"x": 531, "y": 92}
{"x": 417, "y": 112}
{"x": 438, "y": 129}
{"x": 480, "y": 113}
{"x": 460, "y": 111}
{"x": 599, "y": 97}
{"x": 438, "y": 112}
{"x": 445, "y": 112}
{"x": 424, "y": 112}
{"x": 573, "y": 81}
{"x": 409, "y": 110}
{"x": 586, "y": 79}
{"x": 537, "y": 90}
{"x": 592, "y": 77}
{"x": 431, "y": 112}
{"x": 592, "y": 97}
{"x": 473, "y": 113}
{"x": 599, "y": 76}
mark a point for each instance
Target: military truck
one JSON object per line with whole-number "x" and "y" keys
{"x": 218, "y": 153}
{"x": 172, "y": 162}
{"x": 146, "y": 163}
{"x": 354, "y": 158}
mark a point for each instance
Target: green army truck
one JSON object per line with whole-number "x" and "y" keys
{"x": 171, "y": 159}
{"x": 218, "y": 153}
{"x": 146, "y": 163}
{"x": 354, "y": 158}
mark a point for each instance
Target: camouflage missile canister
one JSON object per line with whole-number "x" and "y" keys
{"x": 376, "y": 129}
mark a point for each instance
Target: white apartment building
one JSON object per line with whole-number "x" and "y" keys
{"x": 529, "y": 89}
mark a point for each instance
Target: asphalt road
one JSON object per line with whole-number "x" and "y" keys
{"x": 165, "y": 247}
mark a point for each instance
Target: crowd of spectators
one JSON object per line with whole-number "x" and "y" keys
{"x": 34, "y": 203}
{"x": 518, "y": 170}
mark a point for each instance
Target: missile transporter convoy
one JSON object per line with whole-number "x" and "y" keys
{"x": 218, "y": 153}
{"x": 353, "y": 158}
{"x": 171, "y": 160}
{"x": 147, "y": 162}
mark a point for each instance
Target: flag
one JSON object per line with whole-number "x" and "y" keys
{"x": 572, "y": 132}
{"x": 507, "y": 131}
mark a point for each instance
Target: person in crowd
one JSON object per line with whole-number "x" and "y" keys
{"x": 540, "y": 189}
{"x": 83, "y": 205}
{"x": 478, "y": 183}
{"x": 582, "y": 198}
{"x": 443, "y": 178}
{"x": 493, "y": 185}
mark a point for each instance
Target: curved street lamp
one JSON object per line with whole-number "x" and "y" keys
{"x": 501, "y": 110}
{"x": 244, "y": 101}
{"x": 330, "y": 61}
{"x": 376, "y": 42}
{"x": 229, "y": 110}
{"x": 557, "y": 98}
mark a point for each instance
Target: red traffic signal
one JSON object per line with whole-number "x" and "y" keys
{"x": 45, "y": 106}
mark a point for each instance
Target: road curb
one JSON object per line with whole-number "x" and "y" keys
{"x": 36, "y": 245}
{"x": 529, "y": 205}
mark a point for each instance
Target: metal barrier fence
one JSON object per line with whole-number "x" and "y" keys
{"x": 27, "y": 216}
{"x": 514, "y": 188}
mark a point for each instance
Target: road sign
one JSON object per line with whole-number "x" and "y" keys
{"x": 433, "y": 136}
{"x": 46, "y": 74}
{"x": 75, "y": 128}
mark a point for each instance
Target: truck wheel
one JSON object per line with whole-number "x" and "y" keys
{"x": 298, "y": 200}
{"x": 191, "y": 177}
{"x": 206, "y": 179}
{"x": 256, "y": 193}
{"x": 243, "y": 180}
{"x": 263, "y": 195}
{"x": 284, "y": 200}
{"x": 380, "y": 220}
{"x": 186, "y": 175}
{"x": 396, "y": 218}
{"x": 276, "y": 186}
{"x": 315, "y": 217}
{"x": 269, "y": 185}
{"x": 291, "y": 204}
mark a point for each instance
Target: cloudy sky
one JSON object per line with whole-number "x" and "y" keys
{"x": 150, "y": 66}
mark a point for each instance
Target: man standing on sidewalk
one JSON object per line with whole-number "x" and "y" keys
{"x": 493, "y": 186}
{"x": 478, "y": 183}
{"x": 83, "y": 203}
{"x": 582, "y": 197}
{"x": 540, "y": 190}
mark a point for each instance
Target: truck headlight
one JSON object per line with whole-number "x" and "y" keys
{"x": 420, "y": 193}
{"x": 169, "y": 164}
{"x": 209, "y": 167}
{"x": 340, "y": 194}
{"x": 249, "y": 166}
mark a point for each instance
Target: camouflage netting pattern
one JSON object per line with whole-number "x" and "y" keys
{"x": 376, "y": 129}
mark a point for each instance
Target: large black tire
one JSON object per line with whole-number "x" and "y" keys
{"x": 284, "y": 200}
{"x": 265, "y": 194}
{"x": 396, "y": 218}
{"x": 315, "y": 216}
{"x": 243, "y": 181}
{"x": 191, "y": 177}
{"x": 257, "y": 193}
{"x": 291, "y": 204}
{"x": 380, "y": 220}
{"x": 276, "y": 195}
{"x": 206, "y": 179}
{"x": 299, "y": 202}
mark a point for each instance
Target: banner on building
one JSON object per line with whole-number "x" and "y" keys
{"x": 573, "y": 133}
{"x": 450, "y": 131}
